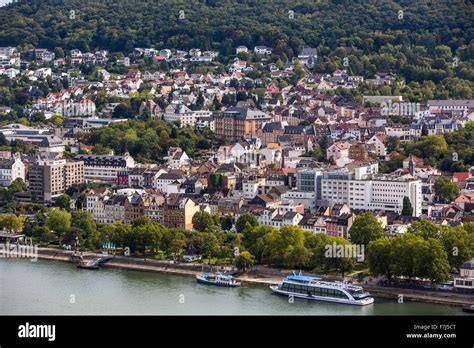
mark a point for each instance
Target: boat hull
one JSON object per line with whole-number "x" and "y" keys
{"x": 224, "y": 285}
{"x": 364, "y": 302}
{"x": 88, "y": 267}
{"x": 468, "y": 309}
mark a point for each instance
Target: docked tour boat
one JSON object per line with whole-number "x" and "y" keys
{"x": 468, "y": 308}
{"x": 312, "y": 288}
{"x": 217, "y": 279}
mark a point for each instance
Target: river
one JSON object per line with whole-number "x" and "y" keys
{"x": 58, "y": 288}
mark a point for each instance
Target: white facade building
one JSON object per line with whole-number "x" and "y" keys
{"x": 105, "y": 168}
{"x": 371, "y": 192}
{"x": 185, "y": 116}
{"x": 11, "y": 169}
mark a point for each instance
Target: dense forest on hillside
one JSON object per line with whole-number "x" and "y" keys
{"x": 421, "y": 40}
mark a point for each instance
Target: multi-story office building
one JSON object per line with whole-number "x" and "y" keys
{"x": 309, "y": 180}
{"x": 360, "y": 190}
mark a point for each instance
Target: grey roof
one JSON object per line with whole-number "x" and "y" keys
{"x": 6, "y": 163}
{"x": 449, "y": 102}
{"x": 170, "y": 176}
{"x": 271, "y": 126}
{"x": 307, "y": 51}
{"x": 244, "y": 113}
{"x": 289, "y": 215}
{"x": 468, "y": 264}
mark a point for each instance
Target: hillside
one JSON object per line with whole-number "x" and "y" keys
{"x": 420, "y": 43}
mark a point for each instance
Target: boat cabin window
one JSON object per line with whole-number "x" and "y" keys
{"x": 313, "y": 290}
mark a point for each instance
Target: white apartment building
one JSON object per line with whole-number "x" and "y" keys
{"x": 177, "y": 158}
{"x": 276, "y": 218}
{"x": 250, "y": 188}
{"x": 105, "y": 168}
{"x": 307, "y": 199}
{"x": 371, "y": 191}
{"x": 106, "y": 209}
{"x": 184, "y": 115}
{"x": 168, "y": 183}
{"x": 451, "y": 105}
{"x": 11, "y": 169}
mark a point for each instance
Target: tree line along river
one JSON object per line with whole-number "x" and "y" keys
{"x": 57, "y": 288}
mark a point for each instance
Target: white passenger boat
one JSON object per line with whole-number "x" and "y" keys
{"x": 312, "y": 288}
{"x": 217, "y": 279}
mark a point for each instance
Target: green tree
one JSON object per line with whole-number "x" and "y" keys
{"x": 432, "y": 261}
{"x": 381, "y": 257}
{"x": 18, "y": 185}
{"x": 226, "y": 223}
{"x": 210, "y": 247}
{"x": 424, "y": 130}
{"x": 393, "y": 144}
{"x": 202, "y": 220}
{"x": 245, "y": 221}
{"x": 425, "y": 228}
{"x": 341, "y": 263}
{"x": 244, "y": 261}
{"x": 70, "y": 236}
{"x": 446, "y": 190}
{"x": 407, "y": 249}
{"x": 11, "y": 222}
{"x": 63, "y": 202}
{"x": 365, "y": 229}
{"x": 286, "y": 248}
{"x": 43, "y": 233}
{"x": 458, "y": 245}
{"x": 84, "y": 221}
{"x": 254, "y": 241}
{"x": 117, "y": 233}
{"x": 59, "y": 221}
{"x": 407, "y": 209}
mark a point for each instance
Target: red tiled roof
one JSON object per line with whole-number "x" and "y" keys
{"x": 461, "y": 176}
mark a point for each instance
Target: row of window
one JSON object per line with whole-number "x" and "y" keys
{"x": 463, "y": 282}
{"x": 313, "y": 291}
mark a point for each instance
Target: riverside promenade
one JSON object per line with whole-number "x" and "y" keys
{"x": 259, "y": 275}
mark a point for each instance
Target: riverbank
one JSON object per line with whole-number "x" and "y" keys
{"x": 151, "y": 265}
{"x": 260, "y": 275}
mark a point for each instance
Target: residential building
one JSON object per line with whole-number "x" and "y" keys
{"x": 378, "y": 142}
{"x": 177, "y": 158}
{"x": 451, "y": 105}
{"x": 308, "y": 56}
{"x": 178, "y": 211}
{"x": 262, "y": 50}
{"x": 49, "y": 178}
{"x": 236, "y": 122}
{"x": 105, "y": 168}
{"x": 339, "y": 153}
{"x": 11, "y": 169}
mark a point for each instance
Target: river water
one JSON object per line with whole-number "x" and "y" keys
{"x": 58, "y": 288}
